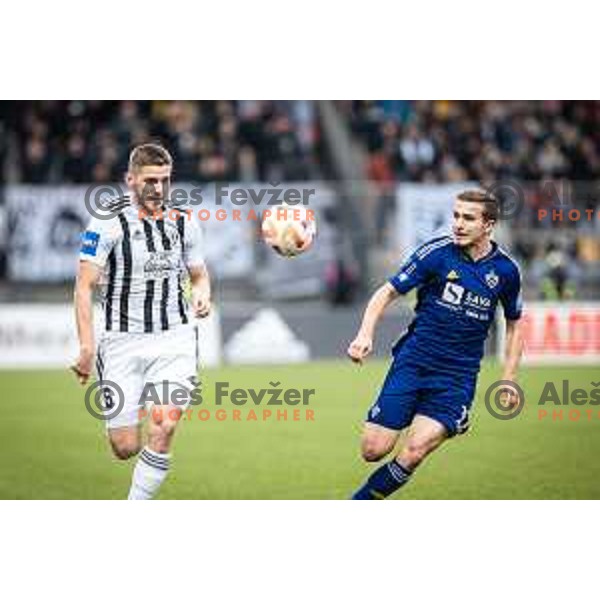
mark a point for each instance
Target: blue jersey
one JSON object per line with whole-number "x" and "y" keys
{"x": 456, "y": 303}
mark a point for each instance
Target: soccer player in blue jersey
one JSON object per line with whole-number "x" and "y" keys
{"x": 431, "y": 383}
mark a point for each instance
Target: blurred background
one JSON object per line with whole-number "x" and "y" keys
{"x": 383, "y": 175}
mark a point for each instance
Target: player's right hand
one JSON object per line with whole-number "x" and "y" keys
{"x": 201, "y": 305}
{"x": 83, "y": 366}
{"x": 360, "y": 348}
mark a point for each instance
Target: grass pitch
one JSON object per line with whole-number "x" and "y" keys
{"x": 52, "y": 448}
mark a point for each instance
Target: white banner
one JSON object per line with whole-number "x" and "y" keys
{"x": 424, "y": 211}
{"x": 38, "y": 336}
{"x": 47, "y": 221}
{"x": 567, "y": 333}
{"x": 45, "y": 227}
{"x": 266, "y": 338}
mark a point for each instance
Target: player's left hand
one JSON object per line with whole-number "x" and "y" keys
{"x": 509, "y": 397}
{"x": 201, "y": 305}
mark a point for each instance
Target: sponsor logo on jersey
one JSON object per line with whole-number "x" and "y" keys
{"x": 452, "y": 276}
{"x": 159, "y": 265}
{"x": 453, "y": 293}
{"x": 89, "y": 243}
{"x": 456, "y": 294}
{"x": 492, "y": 279}
{"x": 477, "y": 301}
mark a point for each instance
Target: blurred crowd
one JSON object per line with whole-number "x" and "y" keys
{"x": 429, "y": 141}
{"x": 402, "y": 141}
{"x": 439, "y": 141}
{"x": 88, "y": 141}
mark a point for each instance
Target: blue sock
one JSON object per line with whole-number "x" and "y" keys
{"x": 383, "y": 482}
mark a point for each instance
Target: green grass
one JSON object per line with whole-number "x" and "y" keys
{"x": 52, "y": 448}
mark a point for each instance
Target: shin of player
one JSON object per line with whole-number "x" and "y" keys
{"x": 431, "y": 383}
{"x": 149, "y": 338}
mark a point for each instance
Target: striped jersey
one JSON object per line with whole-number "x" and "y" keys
{"x": 144, "y": 264}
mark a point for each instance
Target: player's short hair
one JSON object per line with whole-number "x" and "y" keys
{"x": 489, "y": 201}
{"x": 149, "y": 155}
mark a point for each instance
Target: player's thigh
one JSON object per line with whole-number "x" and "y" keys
{"x": 397, "y": 401}
{"x": 120, "y": 369}
{"x": 448, "y": 400}
{"x": 172, "y": 370}
{"x": 423, "y": 437}
{"x": 377, "y": 441}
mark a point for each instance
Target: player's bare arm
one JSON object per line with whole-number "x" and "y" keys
{"x": 200, "y": 280}
{"x": 512, "y": 355}
{"x": 362, "y": 345}
{"x": 87, "y": 278}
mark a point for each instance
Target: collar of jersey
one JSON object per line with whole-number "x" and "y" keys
{"x": 489, "y": 255}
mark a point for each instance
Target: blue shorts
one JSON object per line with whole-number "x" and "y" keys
{"x": 410, "y": 389}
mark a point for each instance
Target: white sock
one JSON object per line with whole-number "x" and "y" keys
{"x": 150, "y": 471}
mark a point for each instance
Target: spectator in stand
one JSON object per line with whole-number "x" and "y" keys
{"x": 76, "y": 167}
{"x": 3, "y": 147}
{"x": 484, "y": 139}
{"x": 35, "y": 161}
{"x": 78, "y": 141}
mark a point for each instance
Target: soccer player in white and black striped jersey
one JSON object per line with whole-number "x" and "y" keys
{"x": 149, "y": 331}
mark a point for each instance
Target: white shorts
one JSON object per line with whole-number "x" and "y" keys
{"x": 143, "y": 370}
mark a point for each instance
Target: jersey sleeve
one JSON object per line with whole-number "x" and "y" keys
{"x": 98, "y": 240}
{"x": 510, "y": 297}
{"x": 416, "y": 270}
{"x": 193, "y": 244}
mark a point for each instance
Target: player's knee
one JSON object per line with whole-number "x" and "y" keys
{"x": 373, "y": 450}
{"x": 414, "y": 452}
{"x": 159, "y": 436}
{"x": 125, "y": 450}
{"x": 166, "y": 429}
{"x": 372, "y": 455}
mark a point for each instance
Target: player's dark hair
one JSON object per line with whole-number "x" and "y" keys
{"x": 149, "y": 155}
{"x": 489, "y": 201}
